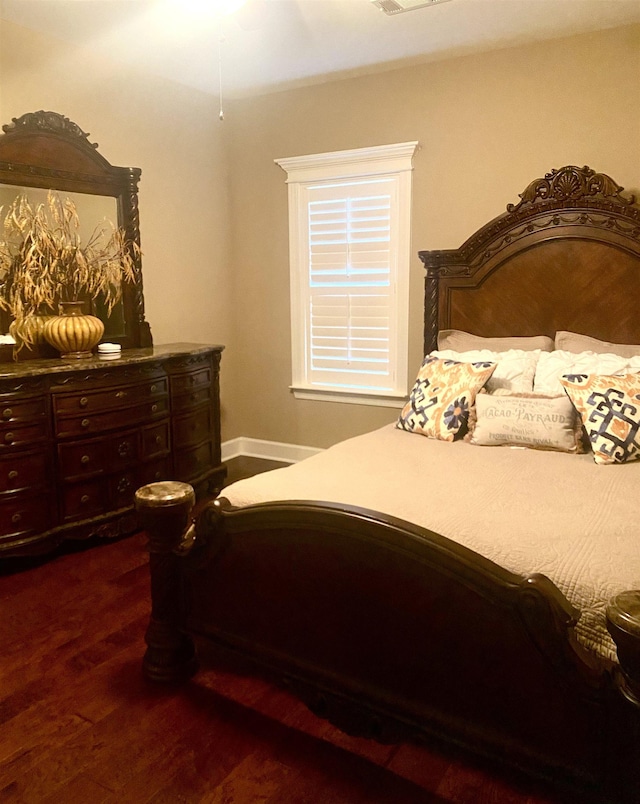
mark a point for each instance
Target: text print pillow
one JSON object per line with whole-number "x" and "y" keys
{"x": 441, "y": 397}
{"x": 536, "y": 422}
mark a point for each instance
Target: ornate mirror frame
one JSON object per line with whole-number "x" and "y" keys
{"x": 46, "y": 150}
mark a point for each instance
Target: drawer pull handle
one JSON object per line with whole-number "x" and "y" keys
{"x": 9, "y": 437}
{"x": 85, "y": 459}
{"x": 16, "y": 518}
{"x": 158, "y": 475}
{"x": 13, "y": 474}
{"x": 124, "y": 449}
{"x": 85, "y": 423}
{"x": 158, "y": 439}
{"x": 154, "y": 388}
{"x": 154, "y": 408}
{"x": 121, "y": 394}
{"x": 83, "y": 401}
{"x": 84, "y": 499}
{"x": 7, "y": 413}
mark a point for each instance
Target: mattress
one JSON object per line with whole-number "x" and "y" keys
{"x": 529, "y": 511}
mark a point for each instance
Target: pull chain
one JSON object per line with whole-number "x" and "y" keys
{"x": 220, "y": 41}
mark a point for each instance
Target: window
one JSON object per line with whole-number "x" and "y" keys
{"x": 349, "y": 231}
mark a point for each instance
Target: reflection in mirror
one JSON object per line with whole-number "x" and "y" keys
{"x": 93, "y": 210}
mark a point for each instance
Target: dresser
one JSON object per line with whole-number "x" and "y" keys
{"x": 78, "y": 438}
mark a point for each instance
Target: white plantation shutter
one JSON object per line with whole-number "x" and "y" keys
{"x": 351, "y": 285}
{"x": 349, "y": 274}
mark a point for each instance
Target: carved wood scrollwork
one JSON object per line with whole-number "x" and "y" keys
{"x": 48, "y": 121}
{"x": 550, "y": 620}
{"x": 570, "y": 203}
{"x": 570, "y": 183}
{"x": 211, "y": 534}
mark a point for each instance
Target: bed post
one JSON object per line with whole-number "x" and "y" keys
{"x": 623, "y": 623}
{"x": 438, "y": 264}
{"x": 164, "y": 512}
{"x": 431, "y": 282}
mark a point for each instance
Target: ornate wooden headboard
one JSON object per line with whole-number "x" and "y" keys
{"x": 565, "y": 257}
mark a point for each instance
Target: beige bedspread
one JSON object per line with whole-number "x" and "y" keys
{"x": 527, "y": 510}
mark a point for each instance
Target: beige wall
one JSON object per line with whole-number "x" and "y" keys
{"x": 172, "y": 133}
{"x": 487, "y": 125}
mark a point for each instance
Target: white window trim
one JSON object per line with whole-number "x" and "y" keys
{"x": 357, "y": 163}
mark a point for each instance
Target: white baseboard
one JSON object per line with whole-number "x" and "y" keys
{"x": 269, "y": 450}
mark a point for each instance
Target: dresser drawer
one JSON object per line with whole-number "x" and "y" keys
{"x": 25, "y": 515}
{"x": 25, "y": 410}
{"x": 193, "y": 462}
{"x": 110, "y": 399}
{"x": 80, "y": 500}
{"x": 20, "y": 434}
{"x": 197, "y": 397}
{"x": 192, "y": 429}
{"x": 112, "y": 420}
{"x": 83, "y": 458}
{"x": 23, "y": 471}
{"x": 155, "y": 440}
{"x": 155, "y": 470}
{"x": 181, "y": 383}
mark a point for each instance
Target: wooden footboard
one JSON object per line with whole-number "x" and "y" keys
{"x": 389, "y": 631}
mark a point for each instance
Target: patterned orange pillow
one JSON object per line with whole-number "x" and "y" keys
{"x": 442, "y": 396}
{"x": 609, "y": 407}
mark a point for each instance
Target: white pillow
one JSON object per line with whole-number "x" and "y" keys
{"x": 514, "y": 372}
{"x": 553, "y": 365}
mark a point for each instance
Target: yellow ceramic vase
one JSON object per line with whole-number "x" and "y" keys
{"x": 73, "y": 333}
{"x": 29, "y": 331}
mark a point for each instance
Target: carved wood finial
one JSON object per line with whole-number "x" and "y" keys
{"x": 164, "y": 510}
{"x": 571, "y": 183}
{"x": 48, "y": 121}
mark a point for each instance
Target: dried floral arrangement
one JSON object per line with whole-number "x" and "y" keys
{"x": 43, "y": 262}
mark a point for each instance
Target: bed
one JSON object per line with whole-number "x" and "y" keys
{"x": 469, "y": 590}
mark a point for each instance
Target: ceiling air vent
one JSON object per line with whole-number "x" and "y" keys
{"x": 399, "y": 6}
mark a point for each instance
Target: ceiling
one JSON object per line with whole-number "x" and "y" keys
{"x": 272, "y": 44}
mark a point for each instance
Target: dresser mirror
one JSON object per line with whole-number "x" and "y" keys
{"x": 43, "y": 151}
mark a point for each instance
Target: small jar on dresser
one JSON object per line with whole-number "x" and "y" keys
{"x": 78, "y": 438}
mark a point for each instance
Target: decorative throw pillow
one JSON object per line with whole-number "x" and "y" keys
{"x": 573, "y": 342}
{"x": 443, "y": 393}
{"x": 515, "y": 368}
{"x": 538, "y": 422}
{"x": 465, "y": 341}
{"x": 610, "y": 411}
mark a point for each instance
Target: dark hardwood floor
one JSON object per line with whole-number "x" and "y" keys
{"x": 80, "y": 724}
